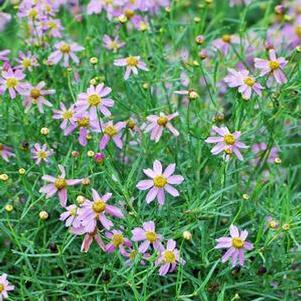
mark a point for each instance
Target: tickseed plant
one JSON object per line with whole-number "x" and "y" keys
{"x": 150, "y": 150}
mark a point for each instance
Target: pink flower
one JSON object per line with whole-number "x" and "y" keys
{"x": 12, "y": 81}
{"x": 112, "y": 44}
{"x": 6, "y": 152}
{"x": 91, "y": 212}
{"x": 148, "y": 235}
{"x": 3, "y": 55}
{"x": 224, "y": 43}
{"x": 5, "y": 287}
{"x": 272, "y": 67}
{"x": 111, "y": 132}
{"x": 36, "y": 95}
{"x": 261, "y": 151}
{"x": 132, "y": 63}
{"x": 131, "y": 254}
{"x": 27, "y": 61}
{"x": 70, "y": 217}
{"x": 94, "y": 99}
{"x": 160, "y": 182}
{"x": 236, "y": 245}
{"x": 158, "y": 123}
{"x": 245, "y": 83}
{"x": 227, "y": 142}
{"x": 118, "y": 241}
{"x": 169, "y": 258}
{"x": 67, "y": 115}
{"x": 41, "y": 153}
{"x": 239, "y": 2}
{"x": 65, "y": 51}
{"x": 58, "y": 185}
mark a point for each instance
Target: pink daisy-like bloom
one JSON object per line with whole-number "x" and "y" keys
{"x": 27, "y": 61}
{"x": 65, "y": 51}
{"x": 91, "y": 212}
{"x": 160, "y": 182}
{"x": 236, "y": 245}
{"x": 36, "y": 95}
{"x": 12, "y": 81}
{"x": 4, "y": 54}
{"x": 112, "y": 132}
{"x": 169, "y": 258}
{"x": 131, "y": 254}
{"x": 67, "y": 115}
{"x": 118, "y": 241}
{"x": 132, "y": 64}
{"x": 5, "y": 287}
{"x": 6, "y": 152}
{"x": 58, "y": 185}
{"x": 224, "y": 43}
{"x": 158, "y": 123}
{"x": 226, "y": 142}
{"x": 260, "y": 148}
{"x": 70, "y": 217}
{"x": 112, "y": 44}
{"x": 41, "y": 153}
{"x": 272, "y": 67}
{"x": 94, "y": 99}
{"x": 148, "y": 235}
{"x": 244, "y": 82}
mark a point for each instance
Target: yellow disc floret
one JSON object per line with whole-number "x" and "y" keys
{"x": 237, "y": 243}
{"x": 99, "y": 206}
{"x": 160, "y": 181}
{"x": 60, "y": 183}
{"x": 151, "y": 236}
{"x": 229, "y": 139}
{"x": 169, "y": 257}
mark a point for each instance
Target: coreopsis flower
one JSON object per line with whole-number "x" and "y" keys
{"x": 27, "y": 61}
{"x": 148, "y": 236}
{"x": 4, "y": 20}
{"x": 58, "y": 185}
{"x": 226, "y": 142}
{"x": 6, "y": 152}
{"x": 67, "y": 115}
{"x": 112, "y": 44}
{"x": 98, "y": 210}
{"x": 131, "y": 254}
{"x": 192, "y": 94}
{"x": 236, "y": 245}
{"x": 36, "y": 95}
{"x": 3, "y": 55}
{"x": 95, "y": 99}
{"x": 273, "y": 67}
{"x": 65, "y": 51}
{"x": 159, "y": 123}
{"x": 132, "y": 64}
{"x": 259, "y": 150}
{"x": 41, "y": 153}
{"x": 160, "y": 182}
{"x": 70, "y": 217}
{"x": 13, "y": 82}
{"x": 53, "y": 27}
{"x": 112, "y": 132}
{"x": 244, "y": 82}
{"x": 169, "y": 258}
{"x": 118, "y": 241}
{"x": 224, "y": 43}
{"x": 5, "y": 287}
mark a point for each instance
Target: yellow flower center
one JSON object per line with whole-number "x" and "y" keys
{"x": 113, "y": 45}
{"x": 99, "y": 206}
{"x": 42, "y": 155}
{"x": 67, "y": 115}
{"x": 237, "y": 243}
{"x": 226, "y": 38}
{"x": 132, "y": 61}
{"x": 129, "y": 13}
{"x": 228, "y": 151}
{"x": 133, "y": 254}
{"x": 110, "y": 130}
{"x": 274, "y": 65}
{"x": 94, "y": 100}
{"x": 117, "y": 240}
{"x": 83, "y": 122}
{"x": 1, "y": 288}
{"x": 65, "y": 48}
{"x": 169, "y": 257}
{"x": 229, "y": 139}
{"x": 160, "y": 181}
{"x": 33, "y": 13}
{"x": 11, "y": 82}
{"x": 249, "y": 81}
{"x": 131, "y": 124}
{"x": 162, "y": 120}
{"x": 26, "y": 63}
{"x": 52, "y": 25}
{"x": 298, "y": 30}
{"x": 60, "y": 183}
{"x": 35, "y": 93}
{"x": 151, "y": 236}
{"x": 73, "y": 211}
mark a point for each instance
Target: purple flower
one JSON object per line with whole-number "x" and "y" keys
{"x": 160, "y": 182}
{"x": 158, "y": 123}
{"x": 244, "y": 82}
{"x": 112, "y": 44}
{"x": 236, "y": 245}
{"x": 4, "y": 54}
{"x": 6, "y": 152}
{"x": 112, "y": 132}
{"x": 148, "y": 235}
{"x": 273, "y": 67}
{"x": 118, "y": 241}
{"x": 70, "y": 217}
{"x": 227, "y": 142}
{"x": 67, "y": 115}
{"x": 224, "y": 43}
{"x": 41, "y": 153}
{"x": 169, "y": 258}
{"x": 132, "y": 63}
{"x": 91, "y": 212}
{"x": 27, "y": 61}
{"x": 58, "y": 185}
{"x": 5, "y": 287}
